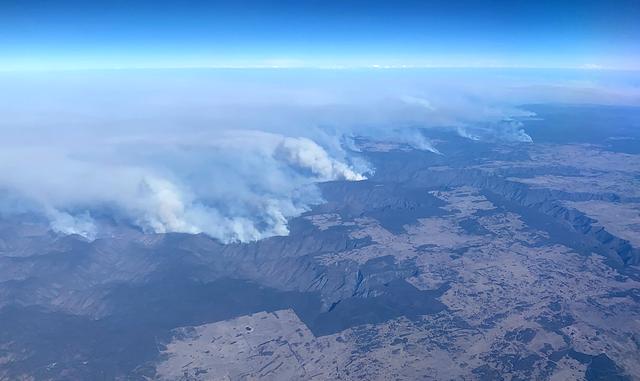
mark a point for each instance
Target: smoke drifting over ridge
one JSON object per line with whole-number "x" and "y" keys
{"x": 240, "y": 186}
{"x": 232, "y": 154}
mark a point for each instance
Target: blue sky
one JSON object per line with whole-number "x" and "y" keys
{"x": 127, "y": 34}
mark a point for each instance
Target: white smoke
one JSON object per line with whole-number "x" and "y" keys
{"x": 307, "y": 154}
{"x": 236, "y": 186}
{"x": 236, "y": 154}
{"x": 81, "y": 224}
{"x": 507, "y": 131}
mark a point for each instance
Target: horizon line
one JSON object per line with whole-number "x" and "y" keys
{"x": 586, "y": 67}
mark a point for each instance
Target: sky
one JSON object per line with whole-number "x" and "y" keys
{"x": 44, "y": 35}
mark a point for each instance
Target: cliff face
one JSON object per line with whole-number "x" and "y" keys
{"x": 545, "y": 201}
{"x": 432, "y": 252}
{"x": 396, "y": 196}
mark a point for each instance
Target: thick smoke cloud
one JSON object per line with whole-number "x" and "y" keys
{"x": 232, "y": 154}
{"x": 307, "y": 154}
{"x": 236, "y": 186}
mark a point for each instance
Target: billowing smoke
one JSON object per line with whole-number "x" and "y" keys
{"x": 232, "y": 154}
{"x": 307, "y": 154}
{"x": 81, "y": 224}
{"x": 232, "y": 185}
